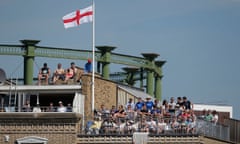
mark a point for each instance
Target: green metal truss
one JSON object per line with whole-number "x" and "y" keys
{"x": 103, "y": 56}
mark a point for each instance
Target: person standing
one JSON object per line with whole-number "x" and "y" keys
{"x": 149, "y": 104}
{"x": 27, "y": 106}
{"x": 69, "y": 108}
{"x": 131, "y": 103}
{"x": 61, "y": 107}
{"x": 51, "y": 108}
{"x": 139, "y": 104}
{"x": 187, "y": 104}
{"x": 88, "y": 66}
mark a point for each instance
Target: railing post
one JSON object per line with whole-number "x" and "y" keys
{"x": 29, "y": 46}
{"x": 106, "y": 58}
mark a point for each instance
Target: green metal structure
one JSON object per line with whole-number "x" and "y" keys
{"x": 137, "y": 68}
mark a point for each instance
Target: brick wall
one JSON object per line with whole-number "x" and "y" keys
{"x": 57, "y": 128}
{"x": 105, "y": 93}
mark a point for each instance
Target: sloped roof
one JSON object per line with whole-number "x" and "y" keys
{"x": 135, "y": 92}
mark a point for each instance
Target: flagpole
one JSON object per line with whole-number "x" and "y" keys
{"x": 93, "y": 57}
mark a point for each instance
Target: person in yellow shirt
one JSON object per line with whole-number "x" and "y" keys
{"x": 95, "y": 128}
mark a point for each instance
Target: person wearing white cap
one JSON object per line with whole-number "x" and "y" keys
{"x": 61, "y": 107}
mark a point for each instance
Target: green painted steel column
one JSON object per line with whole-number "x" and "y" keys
{"x": 29, "y": 46}
{"x": 158, "y": 88}
{"x": 150, "y": 73}
{"x": 150, "y": 85}
{"x": 105, "y": 59}
{"x": 105, "y": 68}
{"x": 158, "y": 78}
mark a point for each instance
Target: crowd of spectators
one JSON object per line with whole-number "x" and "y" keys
{"x": 145, "y": 116}
{"x": 210, "y": 116}
{"x": 51, "y": 108}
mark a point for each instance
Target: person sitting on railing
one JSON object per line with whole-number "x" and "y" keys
{"x": 59, "y": 73}
{"x": 44, "y": 73}
{"x": 71, "y": 72}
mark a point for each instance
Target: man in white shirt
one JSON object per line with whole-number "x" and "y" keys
{"x": 61, "y": 107}
{"x": 131, "y": 103}
{"x": 37, "y": 108}
{"x": 152, "y": 125}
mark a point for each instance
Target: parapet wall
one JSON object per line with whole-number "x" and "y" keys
{"x": 55, "y": 128}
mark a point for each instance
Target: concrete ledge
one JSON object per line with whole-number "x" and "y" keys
{"x": 41, "y": 115}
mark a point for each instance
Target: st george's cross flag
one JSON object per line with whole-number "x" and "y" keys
{"x": 78, "y": 17}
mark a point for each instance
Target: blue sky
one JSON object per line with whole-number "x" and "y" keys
{"x": 199, "y": 39}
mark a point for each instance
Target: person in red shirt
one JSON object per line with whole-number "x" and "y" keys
{"x": 71, "y": 72}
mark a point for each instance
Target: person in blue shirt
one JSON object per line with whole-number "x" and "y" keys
{"x": 149, "y": 104}
{"x": 155, "y": 111}
{"x": 139, "y": 104}
{"x": 88, "y": 66}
